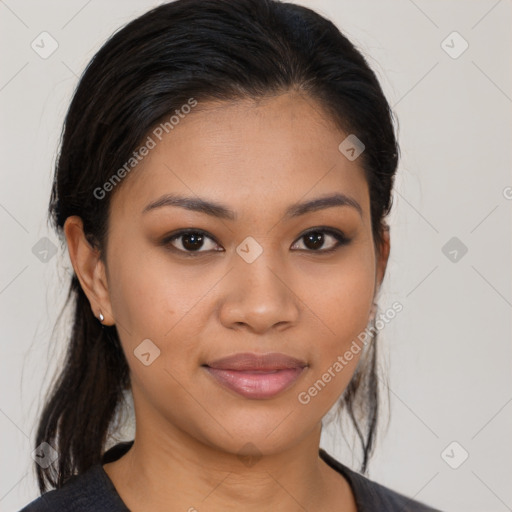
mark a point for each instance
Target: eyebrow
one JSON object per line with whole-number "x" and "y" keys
{"x": 223, "y": 212}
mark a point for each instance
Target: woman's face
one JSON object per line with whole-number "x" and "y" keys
{"x": 255, "y": 282}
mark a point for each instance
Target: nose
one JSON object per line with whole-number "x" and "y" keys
{"x": 258, "y": 297}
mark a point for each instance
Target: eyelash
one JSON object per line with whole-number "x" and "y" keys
{"x": 337, "y": 235}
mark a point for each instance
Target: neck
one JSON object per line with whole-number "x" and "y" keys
{"x": 173, "y": 471}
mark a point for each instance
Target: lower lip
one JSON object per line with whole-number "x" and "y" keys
{"x": 256, "y": 385}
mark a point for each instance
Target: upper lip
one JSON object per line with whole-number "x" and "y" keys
{"x": 250, "y": 361}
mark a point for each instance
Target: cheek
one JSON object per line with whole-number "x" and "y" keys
{"x": 154, "y": 299}
{"x": 340, "y": 296}
{"x": 141, "y": 283}
{"x": 340, "y": 305}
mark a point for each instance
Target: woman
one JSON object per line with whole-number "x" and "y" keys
{"x": 224, "y": 177}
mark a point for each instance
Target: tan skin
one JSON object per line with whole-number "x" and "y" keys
{"x": 256, "y": 158}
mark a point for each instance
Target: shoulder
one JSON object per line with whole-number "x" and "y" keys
{"x": 376, "y": 497}
{"x": 373, "y": 497}
{"x": 90, "y": 491}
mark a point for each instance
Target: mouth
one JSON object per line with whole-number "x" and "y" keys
{"x": 256, "y": 376}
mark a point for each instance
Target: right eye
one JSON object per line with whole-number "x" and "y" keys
{"x": 190, "y": 241}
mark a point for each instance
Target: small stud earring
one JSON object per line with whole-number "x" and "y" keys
{"x": 101, "y": 317}
{"x": 373, "y": 311}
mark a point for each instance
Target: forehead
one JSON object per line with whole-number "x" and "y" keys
{"x": 248, "y": 153}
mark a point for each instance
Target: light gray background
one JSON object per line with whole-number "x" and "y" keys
{"x": 448, "y": 353}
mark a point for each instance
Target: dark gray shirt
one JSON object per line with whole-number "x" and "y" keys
{"x": 93, "y": 491}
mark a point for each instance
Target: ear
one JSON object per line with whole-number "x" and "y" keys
{"x": 89, "y": 269}
{"x": 382, "y": 257}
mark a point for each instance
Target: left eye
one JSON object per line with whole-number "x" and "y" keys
{"x": 193, "y": 241}
{"x": 314, "y": 240}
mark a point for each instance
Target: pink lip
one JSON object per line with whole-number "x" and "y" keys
{"x": 256, "y": 376}
{"x": 256, "y": 384}
{"x": 252, "y": 361}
